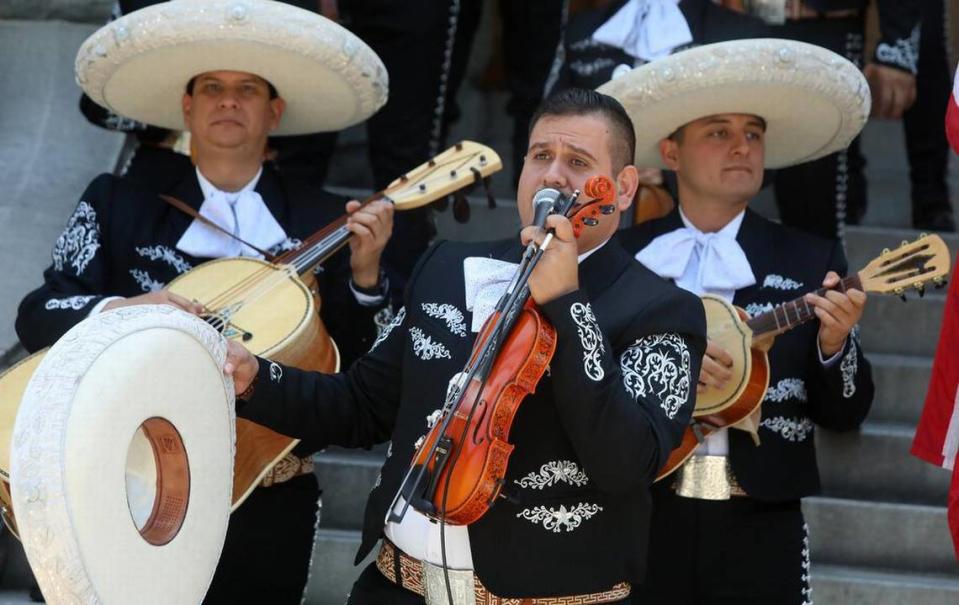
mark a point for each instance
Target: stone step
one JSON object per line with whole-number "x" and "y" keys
{"x": 14, "y": 597}
{"x": 346, "y": 478}
{"x": 901, "y": 382}
{"x": 893, "y": 327}
{"x": 874, "y": 463}
{"x": 834, "y": 584}
{"x": 908, "y": 538}
{"x": 332, "y": 572}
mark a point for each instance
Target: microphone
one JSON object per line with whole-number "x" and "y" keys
{"x": 543, "y": 203}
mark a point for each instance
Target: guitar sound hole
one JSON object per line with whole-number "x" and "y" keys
{"x": 157, "y": 481}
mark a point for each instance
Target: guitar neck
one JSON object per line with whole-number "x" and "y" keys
{"x": 323, "y": 244}
{"x": 788, "y": 315}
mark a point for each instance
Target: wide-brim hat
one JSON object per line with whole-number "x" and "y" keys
{"x": 138, "y": 66}
{"x": 814, "y": 101}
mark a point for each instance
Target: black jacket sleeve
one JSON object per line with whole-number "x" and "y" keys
{"x": 841, "y": 393}
{"x": 898, "y": 44}
{"x": 76, "y": 280}
{"x": 625, "y": 410}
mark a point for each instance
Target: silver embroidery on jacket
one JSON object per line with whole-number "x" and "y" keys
{"x": 448, "y": 313}
{"x": 166, "y": 255}
{"x": 553, "y": 472}
{"x": 290, "y": 243}
{"x": 556, "y": 520}
{"x": 658, "y": 365}
{"x": 591, "y": 338}
{"x": 850, "y": 364}
{"x": 903, "y": 52}
{"x": 383, "y": 329}
{"x": 276, "y": 372}
{"x": 425, "y": 348}
{"x": 79, "y": 241}
{"x": 778, "y": 282}
{"x": 789, "y": 428}
{"x": 147, "y": 283}
{"x": 74, "y": 303}
{"x": 787, "y": 388}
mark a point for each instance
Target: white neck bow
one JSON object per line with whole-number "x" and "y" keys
{"x": 646, "y": 29}
{"x": 722, "y": 266}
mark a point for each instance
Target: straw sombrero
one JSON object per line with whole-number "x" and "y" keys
{"x": 139, "y": 65}
{"x": 813, "y": 100}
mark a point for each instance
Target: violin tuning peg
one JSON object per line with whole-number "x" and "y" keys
{"x": 590, "y": 221}
{"x": 607, "y": 209}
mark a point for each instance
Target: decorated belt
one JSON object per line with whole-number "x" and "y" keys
{"x": 777, "y": 12}
{"x": 707, "y": 478}
{"x": 288, "y": 467}
{"x": 429, "y": 581}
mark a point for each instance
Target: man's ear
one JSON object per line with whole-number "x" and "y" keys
{"x": 669, "y": 151}
{"x": 277, "y": 107}
{"x": 186, "y": 104}
{"x": 627, "y": 182}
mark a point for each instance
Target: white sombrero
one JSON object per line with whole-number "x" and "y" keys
{"x": 139, "y": 65}
{"x": 814, "y": 102}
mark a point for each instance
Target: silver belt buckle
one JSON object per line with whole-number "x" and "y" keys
{"x": 704, "y": 477}
{"x": 434, "y": 586}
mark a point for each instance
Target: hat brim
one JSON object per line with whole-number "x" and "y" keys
{"x": 813, "y": 101}
{"x": 139, "y": 65}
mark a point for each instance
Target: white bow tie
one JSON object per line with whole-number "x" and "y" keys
{"x": 247, "y": 217}
{"x": 486, "y": 281}
{"x": 723, "y": 267}
{"x": 646, "y": 29}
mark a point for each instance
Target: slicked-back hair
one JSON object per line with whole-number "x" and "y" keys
{"x": 583, "y": 102}
{"x": 270, "y": 88}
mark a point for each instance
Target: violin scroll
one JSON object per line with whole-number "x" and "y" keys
{"x": 603, "y": 193}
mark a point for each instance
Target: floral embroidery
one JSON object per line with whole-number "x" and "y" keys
{"x": 779, "y": 282}
{"x": 807, "y": 589}
{"x": 276, "y": 372}
{"x": 551, "y": 473}
{"x": 74, "y": 302}
{"x": 588, "y": 68}
{"x": 448, "y": 313}
{"x": 903, "y": 52}
{"x": 79, "y": 241}
{"x": 591, "y": 338}
{"x": 290, "y": 243}
{"x": 556, "y": 520}
{"x": 147, "y": 283}
{"x": 385, "y": 322}
{"x": 166, "y": 255}
{"x": 850, "y": 364}
{"x": 658, "y": 365}
{"x": 425, "y": 348}
{"x": 754, "y": 309}
{"x": 791, "y": 429}
{"x": 787, "y": 388}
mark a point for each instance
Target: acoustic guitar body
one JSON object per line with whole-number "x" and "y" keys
{"x": 717, "y": 408}
{"x": 13, "y": 384}
{"x": 281, "y": 324}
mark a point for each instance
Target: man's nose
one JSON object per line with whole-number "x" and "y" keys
{"x": 555, "y": 176}
{"x": 740, "y": 144}
{"x": 229, "y": 98}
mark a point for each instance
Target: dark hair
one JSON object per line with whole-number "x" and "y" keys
{"x": 581, "y": 102}
{"x": 269, "y": 87}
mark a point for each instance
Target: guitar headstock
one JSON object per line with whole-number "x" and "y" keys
{"x": 455, "y": 168}
{"x": 911, "y": 265}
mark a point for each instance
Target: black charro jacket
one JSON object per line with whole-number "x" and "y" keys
{"x": 588, "y": 442}
{"x": 802, "y": 392}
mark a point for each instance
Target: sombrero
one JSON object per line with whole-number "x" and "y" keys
{"x": 139, "y": 65}
{"x": 814, "y": 101}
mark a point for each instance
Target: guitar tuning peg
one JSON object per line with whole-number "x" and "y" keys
{"x": 922, "y": 235}
{"x": 885, "y": 251}
{"x": 939, "y": 282}
{"x": 921, "y": 289}
{"x": 904, "y": 243}
{"x": 901, "y": 293}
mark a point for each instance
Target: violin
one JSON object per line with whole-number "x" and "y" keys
{"x": 458, "y": 469}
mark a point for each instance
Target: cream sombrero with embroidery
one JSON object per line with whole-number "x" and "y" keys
{"x": 813, "y": 100}
{"x": 138, "y": 66}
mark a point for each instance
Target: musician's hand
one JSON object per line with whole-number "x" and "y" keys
{"x": 715, "y": 371}
{"x": 241, "y": 365}
{"x": 893, "y": 90}
{"x": 837, "y": 312}
{"x": 558, "y": 271}
{"x": 371, "y": 226}
{"x": 160, "y": 297}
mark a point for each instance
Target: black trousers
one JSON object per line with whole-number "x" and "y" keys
{"x": 823, "y": 195}
{"x": 925, "y": 136}
{"x": 266, "y": 558}
{"x": 372, "y": 588}
{"x": 730, "y": 552}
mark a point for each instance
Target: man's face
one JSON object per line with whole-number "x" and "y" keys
{"x": 719, "y": 157}
{"x": 565, "y": 151}
{"x": 231, "y": 110}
